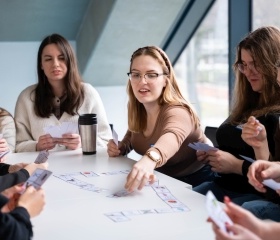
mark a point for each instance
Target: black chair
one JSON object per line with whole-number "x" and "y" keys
{"x": 210, "y": 132}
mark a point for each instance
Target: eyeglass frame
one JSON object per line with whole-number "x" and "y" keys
{"x": 141, "y": 76}
{"x": 251, "y": 66}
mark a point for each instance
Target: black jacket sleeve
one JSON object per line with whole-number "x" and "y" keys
{"x": 11, "y": 179}
{"x": 15, "y": 224}
{"x": 4, "y": 168}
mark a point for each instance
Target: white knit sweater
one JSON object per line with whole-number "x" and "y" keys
{"x": 8, "y": 129}
{"x": 29, "y": 127}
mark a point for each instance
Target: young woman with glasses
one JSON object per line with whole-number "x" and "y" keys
{"x": 161, "y": 124}
{"x": 59, "y": 96}
{"x": 257, "y": 93}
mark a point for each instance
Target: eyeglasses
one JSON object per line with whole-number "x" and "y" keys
{"x": 136, "y": 77}
{"x": 242, "y": 68}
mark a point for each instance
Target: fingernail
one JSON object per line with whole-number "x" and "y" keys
{"x": 226, "y": 199}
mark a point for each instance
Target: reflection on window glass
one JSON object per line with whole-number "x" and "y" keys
{"x": 202, "y": 69}
{"x": 266, "y": 13}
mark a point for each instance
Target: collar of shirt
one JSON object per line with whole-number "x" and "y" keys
{"x": 57, "y": 102}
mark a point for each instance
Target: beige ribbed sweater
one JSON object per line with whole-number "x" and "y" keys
{"x": 29, "y": 127}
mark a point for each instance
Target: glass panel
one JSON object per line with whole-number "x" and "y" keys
{"x": 202, "y": 69}
{"x": 266, "y": 13}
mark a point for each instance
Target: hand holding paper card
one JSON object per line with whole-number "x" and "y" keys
{"x": 247, "y": 158}
{"x": 115, "y": 137}
{"x": 38, "y": 178}
{"x": 42, "y": 157}
{"x": 58, "y": 130}
{"x": 272, "y": 184}
{"x": 216, "y": 213}
{"x": 201, "y": 146}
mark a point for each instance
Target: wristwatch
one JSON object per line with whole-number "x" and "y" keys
{"x": 154, "y": 156}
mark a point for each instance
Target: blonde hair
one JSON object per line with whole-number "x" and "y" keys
{"x": 4, "y": 112}
{"x": 171, "y": 94}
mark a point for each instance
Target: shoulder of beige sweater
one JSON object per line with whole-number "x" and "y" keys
{"x": 28, "y": 90}
{"x": 89, "y": 89}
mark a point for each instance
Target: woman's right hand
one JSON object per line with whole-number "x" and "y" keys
{"x": 113, "y": 149}
{"x": 45, "y": 142}
{"x": 254, "y": 133}
{"x": 32, "y": 200}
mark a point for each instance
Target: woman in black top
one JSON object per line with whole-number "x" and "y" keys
{"x": 256, "y": 94}
{"x": 16, "y": 212}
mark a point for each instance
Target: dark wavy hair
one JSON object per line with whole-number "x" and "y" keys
{"x": 73, "y": 81}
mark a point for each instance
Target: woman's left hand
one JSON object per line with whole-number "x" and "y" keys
{"x": 141, "y": 173}
{"x": 70, "y": 141}
{"x": 4, "y": 145}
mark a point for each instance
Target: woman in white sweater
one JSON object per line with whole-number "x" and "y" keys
{"x": 59, "y": 96}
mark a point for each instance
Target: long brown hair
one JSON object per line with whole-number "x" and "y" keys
{"x": 264, "y": 47}
{"x": 73, "y": 81}
{"x": 171, "y": 94}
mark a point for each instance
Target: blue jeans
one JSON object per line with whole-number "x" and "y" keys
{"x": 204, "y": 174}
{"x": 263, "y": 209}
{"x": 220, "y": 193}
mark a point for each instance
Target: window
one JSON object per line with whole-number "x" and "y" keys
{"x": 202, "y": 68}
{"x": 266, "y": 13}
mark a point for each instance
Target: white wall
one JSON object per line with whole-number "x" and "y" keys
{"x": 17, "y": 71}
{"x": 115, "y": 103}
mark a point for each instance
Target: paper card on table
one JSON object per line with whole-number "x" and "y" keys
{"x": 202, "y": 146}
{"x": 42, "y": 157}
{"x": 118, "y": 194}
{"x": 115, "y": 137}
{"x": 131, "y": 213}
{"x": 89, "y": 174}
{"x": 147, "y": 211}
{"x": 272, "y": 184}
{"x": 174, "y": 203}
{"x": 181, "y": 209}
{"x": 163, "y": 210}
{"x": 92, "y": 188}
{"x": 216, "y": 213}
{"x": 117, "y": 217}
{"x": 247, "y": 158}
{"x": 38, "y": 178}
{"x": 160, "y": 189}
